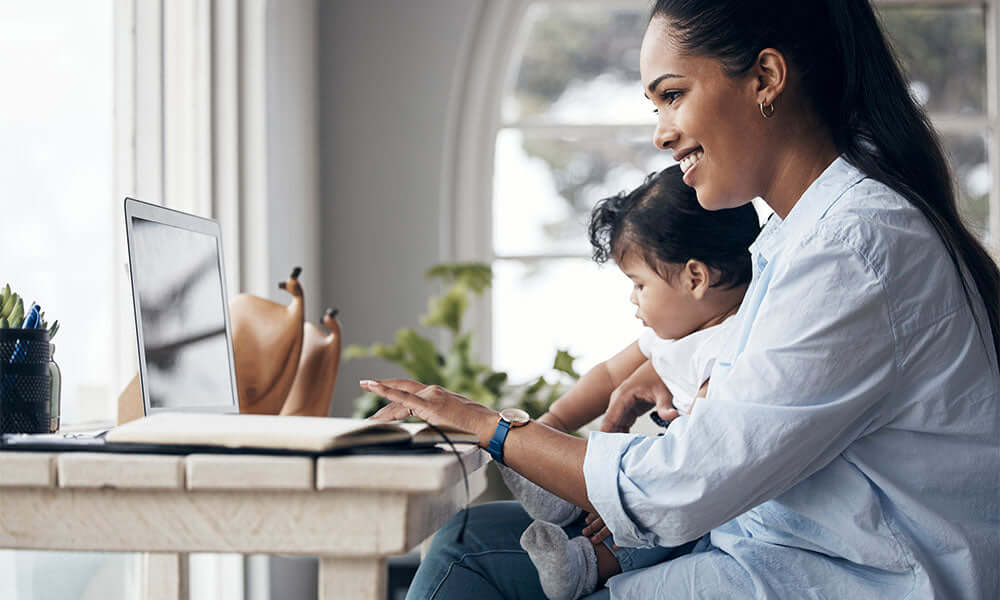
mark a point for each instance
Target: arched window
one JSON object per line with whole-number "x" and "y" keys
{"x": 574, "y": 127}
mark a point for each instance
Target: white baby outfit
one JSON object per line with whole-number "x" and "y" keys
{"x": 686, "y": 363}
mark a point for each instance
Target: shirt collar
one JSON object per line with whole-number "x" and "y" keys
{"x": 812, "y": 206}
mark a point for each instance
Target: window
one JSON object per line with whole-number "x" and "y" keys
{"x": 59, "y": 220}
{"x": 575, "y": 128}
{"x": 57, "y": 167}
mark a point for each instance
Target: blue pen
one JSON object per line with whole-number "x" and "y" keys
{"x": 29, "y": 323}
{"x": 32, "y": 321}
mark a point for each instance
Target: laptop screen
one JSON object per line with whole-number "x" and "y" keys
{"x": 177, "y": 277}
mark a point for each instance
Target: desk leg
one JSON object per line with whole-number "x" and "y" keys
{"x": 166, "y": 576}
{"x": 363, "y": 578}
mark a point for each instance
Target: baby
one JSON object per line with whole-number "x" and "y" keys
{"x": 690, "y": 268}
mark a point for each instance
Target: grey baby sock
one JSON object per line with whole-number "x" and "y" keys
{"x": 566, "y": 567}
{"x": 539, "y": 502}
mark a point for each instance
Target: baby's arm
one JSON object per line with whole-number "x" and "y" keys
{"x": 588, "y": 398}
{"x": 642, "y": 391}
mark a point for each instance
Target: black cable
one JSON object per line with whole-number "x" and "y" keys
{"x": 465, "y": 479}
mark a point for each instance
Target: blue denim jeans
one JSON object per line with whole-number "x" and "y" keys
{"x": 490, "y": 563}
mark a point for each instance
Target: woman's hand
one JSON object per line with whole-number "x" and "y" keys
{"x": 596, "y": 530}
{"x": 433, "y": 404}
{"x": 639, "y": 393}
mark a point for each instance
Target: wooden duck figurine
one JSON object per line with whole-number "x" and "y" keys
{"x": 312, "y": 392}
{"x": 267, "y": 345}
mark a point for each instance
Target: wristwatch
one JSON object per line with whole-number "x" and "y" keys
{"x": 509, "y": 417}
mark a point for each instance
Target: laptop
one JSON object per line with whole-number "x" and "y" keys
{"x": 181, "y": 311}
{"x": 183, "y": 332}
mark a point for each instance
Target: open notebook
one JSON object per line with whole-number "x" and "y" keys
{"x": 269, "y": 432}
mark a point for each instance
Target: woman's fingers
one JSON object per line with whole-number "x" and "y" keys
{"x": 600, "y": 536}
{"x": 593, "y": 525}
{"x": 406, "y": 385}
{"x": 402, "y": 397}
{"x": 391, "y": 412}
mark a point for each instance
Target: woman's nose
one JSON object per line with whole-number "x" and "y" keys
{"x": 666, "y": 132}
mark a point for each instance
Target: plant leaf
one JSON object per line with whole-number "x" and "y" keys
{"x": 564, "y": 363}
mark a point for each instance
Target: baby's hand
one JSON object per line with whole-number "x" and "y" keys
{"x": 639, "y": 393}
{"x": 595, "y": 529}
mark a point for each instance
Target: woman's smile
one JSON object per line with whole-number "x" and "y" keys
{"x": 688, "y": 164}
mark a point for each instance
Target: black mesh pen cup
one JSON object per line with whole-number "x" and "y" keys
{"x": 24, "y": 381}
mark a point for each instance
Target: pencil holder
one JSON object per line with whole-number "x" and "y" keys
{"x": 25, "y": 383}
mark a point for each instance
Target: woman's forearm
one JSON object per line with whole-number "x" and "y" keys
{"x": 545, "y": 456}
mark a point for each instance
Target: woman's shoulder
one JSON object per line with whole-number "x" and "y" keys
{"x": 899, "y": 246}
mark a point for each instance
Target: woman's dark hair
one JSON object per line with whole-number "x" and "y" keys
{"x": 662, "y": 222}
{"x": 857, "y": 89}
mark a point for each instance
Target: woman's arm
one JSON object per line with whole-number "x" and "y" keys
{"x": 547, "y": 457}
{"x": 589, "y": 397}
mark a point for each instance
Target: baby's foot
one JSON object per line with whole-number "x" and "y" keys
{"x": 540, "y": 503}
{"x": 567, "y": 568}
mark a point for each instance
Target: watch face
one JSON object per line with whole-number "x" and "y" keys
{"x": 515, "y": 416}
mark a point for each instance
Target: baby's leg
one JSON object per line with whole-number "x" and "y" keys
{"x": 567, "y": 568}
{"x": 538, "y": 502}
{"x": 570, "y": 568}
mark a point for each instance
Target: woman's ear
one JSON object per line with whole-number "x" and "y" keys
{"x": 697, "y": 278}
{"x": 770, "y": 75}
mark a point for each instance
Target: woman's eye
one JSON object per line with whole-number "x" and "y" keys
{"x": 670, "y": 96}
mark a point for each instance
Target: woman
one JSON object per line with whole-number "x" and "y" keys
{"x": 848, "y": 446}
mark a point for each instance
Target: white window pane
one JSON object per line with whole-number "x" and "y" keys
{"x": 579, "y": 64}
{"x": 943, "y": 50}
{"x": 971, "y": 169}
{"x": 546, "y": 186}
{"x": 30, "y": 575}
{"x": 58, "y": 237}
{"x": 56, "y": 169}
{"x": 560, "y": 304}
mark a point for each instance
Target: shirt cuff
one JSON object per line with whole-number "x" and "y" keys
{"x": 601, "y": 470}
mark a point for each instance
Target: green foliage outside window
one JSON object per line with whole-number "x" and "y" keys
{"x": 456, "y": 368}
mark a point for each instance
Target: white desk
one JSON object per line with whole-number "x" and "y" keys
{"x": 351, "y": 511}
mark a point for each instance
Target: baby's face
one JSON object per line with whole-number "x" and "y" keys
{"x": 670, "y": 308}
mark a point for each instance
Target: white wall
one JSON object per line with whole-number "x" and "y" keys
{"x": 293, "y": 148}
{"x": 386, "y": 74}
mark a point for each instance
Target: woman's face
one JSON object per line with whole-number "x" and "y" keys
{"x": 709, "y": 120}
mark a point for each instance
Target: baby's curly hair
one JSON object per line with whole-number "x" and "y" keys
{"x": 662, "y": 221}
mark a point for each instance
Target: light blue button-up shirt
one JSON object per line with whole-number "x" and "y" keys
{"x": 849, "y": 446}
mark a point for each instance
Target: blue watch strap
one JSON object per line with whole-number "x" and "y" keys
{"x": 495, "y": 447}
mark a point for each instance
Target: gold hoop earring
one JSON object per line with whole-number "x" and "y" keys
{"x": 767, "y": 111}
